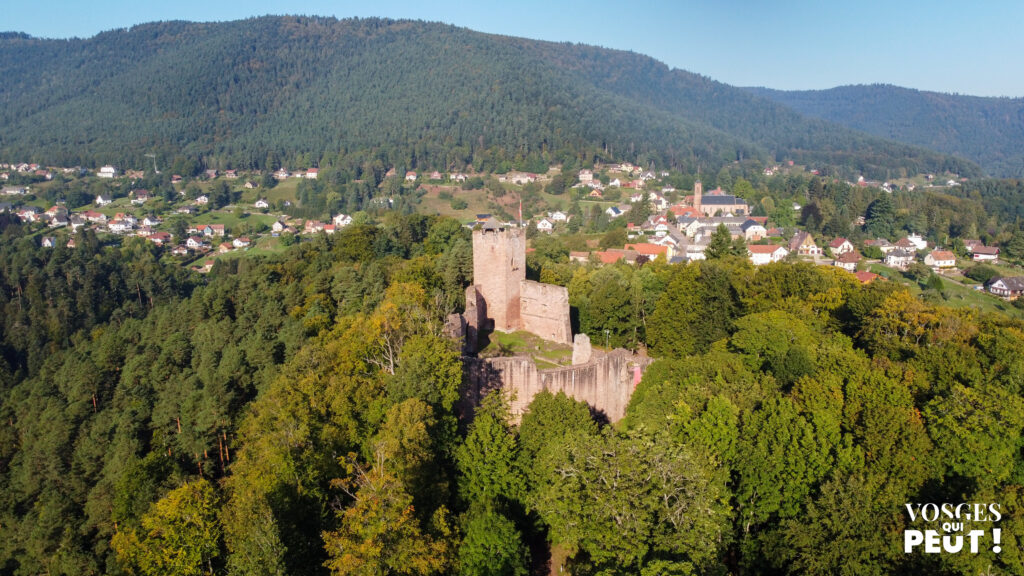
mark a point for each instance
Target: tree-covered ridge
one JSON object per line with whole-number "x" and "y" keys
{"x": 263, "y": 92}
{"x": 989, "y": 131}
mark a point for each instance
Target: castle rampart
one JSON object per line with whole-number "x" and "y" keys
{"x": 606, "y": 382}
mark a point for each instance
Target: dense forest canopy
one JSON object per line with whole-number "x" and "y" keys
{"x": 274, "y": 91}
{"x": 989, "y": 131}
{"x": 301, "y": 414}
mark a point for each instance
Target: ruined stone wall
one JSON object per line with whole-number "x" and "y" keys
{"x": 544, "y": 311}
{"x": 474, "y": 318}
{"x": 606, "y": 383}
{"x": 499, "y": 266}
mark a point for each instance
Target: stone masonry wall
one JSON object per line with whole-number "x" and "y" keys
{"x": 475, "y": 319}
{"x": 606, "y": 383}
{"x": 499, "y": 266}
{"x": 544, "y": 311}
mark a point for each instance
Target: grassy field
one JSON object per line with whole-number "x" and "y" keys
{"x": 957, "y": 296}
{"x": 230, "y": 220}
{"x": 477, "y": 202}
{"x": 285, "y": 190}
{"x": 263, "y": 247}
{"x": 545, "y": 354}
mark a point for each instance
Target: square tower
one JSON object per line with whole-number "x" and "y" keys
{"x": 499, "y": 266}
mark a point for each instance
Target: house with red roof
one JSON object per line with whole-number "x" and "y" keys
{"x": 766, "y": 253}
{"x": 159, "y": 238}
{"x": 840, "y": 246}
{"x": 985, "y": 254}
{"x": 652, "y": 251}
{"x": 847, "y": 261}
{"x": 865, "y": 277}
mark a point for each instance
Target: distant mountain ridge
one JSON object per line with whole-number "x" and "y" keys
{"x": 265, "y": 91}
{"x": 989, "y": 131}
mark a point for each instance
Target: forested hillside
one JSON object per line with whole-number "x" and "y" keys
{"x": 300, "y": 414}
{"x": 304, "y": 91}
{"x": 989, "y": 131}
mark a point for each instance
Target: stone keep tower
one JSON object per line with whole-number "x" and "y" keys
{"x": 499, "y": 267}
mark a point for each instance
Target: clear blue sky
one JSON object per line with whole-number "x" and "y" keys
{"x": 943, "y": 45}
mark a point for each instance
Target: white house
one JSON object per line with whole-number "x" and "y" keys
{"x": 940, "y": 259}
{"x": 262, "y": 203}
{"x": 93, "y": 216}
{"x": 519, "y": 178}
{"x": 658, "y": 200}
{"x": 558, "y": 216}
{"x": 342, "y": 220}
{"x": 900, "y": 259}
{"x": 203, "y": 200}
{"x": 102, "y": 200}
{"x": 545, "y": 225}
{"x": 766, "y": 253}
{"x": 847, "y": 261}
{"x": 753, "y": 230}
{"x": 918, "y": 242}
{"x": 119, "y": 226}
{"x": 59, "y": 219}
{"x": 107, "y": 171}
{"x": 840, "y": 246}
{"x": 985, "y": 254}
{"x": 1007, "y": 287}
{"x": 29, "y": 214}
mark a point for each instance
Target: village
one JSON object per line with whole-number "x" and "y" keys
{"x": 682, "y": 232}
{"x": 675, "y": 226}
{"x": 187, "y": 225}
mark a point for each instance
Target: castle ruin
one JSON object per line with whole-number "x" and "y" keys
{"x": 510, "y": 301}
{"x": 502, "y": 299}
